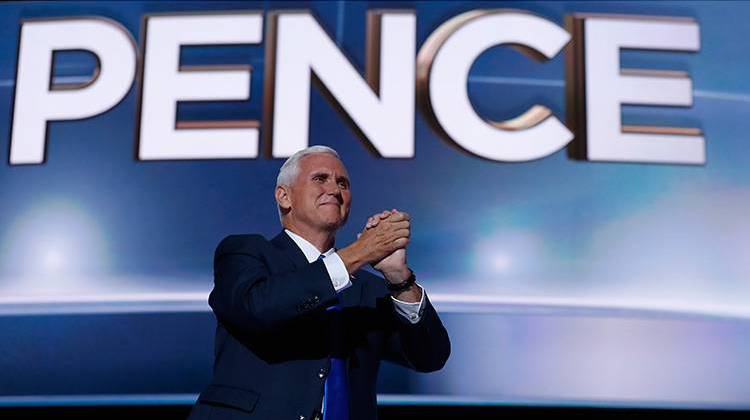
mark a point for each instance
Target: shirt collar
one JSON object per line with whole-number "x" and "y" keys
{"x": 310, "y": 251}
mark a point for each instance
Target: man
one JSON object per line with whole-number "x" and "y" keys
{"x": 301, "y": 327}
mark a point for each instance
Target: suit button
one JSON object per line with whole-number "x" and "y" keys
{"x": 304, "y": 306}
{"x": 316, "y": 299}
{"x": 301, "y": 417}
{"x": 322, "y": 373}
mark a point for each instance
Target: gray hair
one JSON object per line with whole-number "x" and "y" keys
{"x": 290, "y": 169}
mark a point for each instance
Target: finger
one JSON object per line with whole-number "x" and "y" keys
{"x": 395, "y": 217}
{"x": 376, "y": 218}
{"x": 404, "y": 215}
{"x": 380, "y": 216}
{"x": 400, "y": 216}
{"x": 401, "y": 233}
{"x": 399, "y": 243}
{"x": 404, "y": 224}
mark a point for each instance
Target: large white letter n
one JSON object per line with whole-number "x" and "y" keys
{"x": 381, "y": 107}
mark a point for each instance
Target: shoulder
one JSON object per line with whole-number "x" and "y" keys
{"x": 241, "y": 244}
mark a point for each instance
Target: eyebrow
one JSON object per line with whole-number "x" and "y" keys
{"x": 320, "y": 173}
{"x": 327, "y": 174}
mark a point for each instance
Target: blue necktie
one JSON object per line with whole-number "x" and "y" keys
{"x": 336, "y": 401}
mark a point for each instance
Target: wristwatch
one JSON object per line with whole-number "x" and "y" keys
{"x": 403, "y": 285}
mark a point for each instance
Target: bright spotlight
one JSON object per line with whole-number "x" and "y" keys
{"x": 53, "y": 248}
{"x": 500, "y": 262}
{"x": 53, "y": 260}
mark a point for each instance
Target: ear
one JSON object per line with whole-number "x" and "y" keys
{"x": 283, "y": 199}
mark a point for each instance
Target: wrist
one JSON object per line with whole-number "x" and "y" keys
{"x": 412, "y": 294}
{"x": 352, "y": 257}
{"x": 402, "y": 286}
{"x": 398, "y": 275}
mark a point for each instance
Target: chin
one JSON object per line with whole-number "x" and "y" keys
{"x": 333, "y": 224}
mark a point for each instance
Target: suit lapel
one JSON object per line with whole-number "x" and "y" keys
{"x": 290, "y": 249}
{"x": 350, "y": 297}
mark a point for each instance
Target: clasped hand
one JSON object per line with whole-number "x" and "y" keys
{"x": 382, "y": 243}
{"x": 388, "y": 233}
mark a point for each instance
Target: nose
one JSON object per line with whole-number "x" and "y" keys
{"x": 333, "y": 188}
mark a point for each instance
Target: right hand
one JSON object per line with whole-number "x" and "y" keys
{"x": 377, "y": 242}
{"x": 373, "y": 220}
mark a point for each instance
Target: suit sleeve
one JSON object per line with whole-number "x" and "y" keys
{"x": 423, "y": 346}
{"x": 248, "y": 296}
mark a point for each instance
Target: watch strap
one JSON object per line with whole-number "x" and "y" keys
{"x": 399, "y": 287}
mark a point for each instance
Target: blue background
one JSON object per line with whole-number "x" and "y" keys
{"x": 560, "y": 281}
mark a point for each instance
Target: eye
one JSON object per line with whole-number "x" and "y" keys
{"x": 343, "y": 184}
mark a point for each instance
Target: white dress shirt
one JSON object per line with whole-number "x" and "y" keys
{"x": 412, "y": 311}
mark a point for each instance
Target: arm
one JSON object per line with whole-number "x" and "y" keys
{"x": 423, "y": 346}
{"x": 407, "y": 302}
{"x": 411, "y": 310}
{"x": 416, "y": 338}
{"x": 247, "y": 296}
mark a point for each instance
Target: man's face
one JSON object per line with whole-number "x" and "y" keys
{"x": 320, "y": 195}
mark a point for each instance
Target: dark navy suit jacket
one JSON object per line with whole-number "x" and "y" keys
{"x": 274, "y": 335}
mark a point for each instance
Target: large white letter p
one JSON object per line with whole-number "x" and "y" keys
{"x": 38, "y": 101}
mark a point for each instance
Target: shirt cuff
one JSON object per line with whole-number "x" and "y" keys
{"x": 337, "y": 272}
{"x": 410, "y": 310}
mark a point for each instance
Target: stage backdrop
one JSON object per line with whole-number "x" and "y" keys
{"x": 567, "y": 270}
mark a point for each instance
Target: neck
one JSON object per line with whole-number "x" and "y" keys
{"x": 323, "y": 240}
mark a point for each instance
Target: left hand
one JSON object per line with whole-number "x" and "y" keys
{"x": 393, "y": 266}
